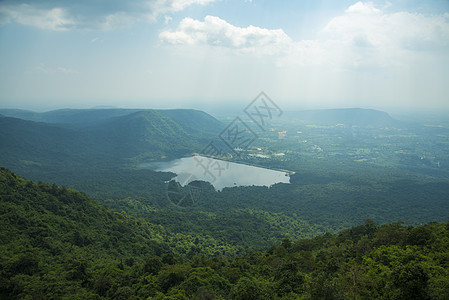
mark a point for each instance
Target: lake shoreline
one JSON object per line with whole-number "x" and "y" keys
{"x": 245, "y": 163}
{"x": 220, "y": 173}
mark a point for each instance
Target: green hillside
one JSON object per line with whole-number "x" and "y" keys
{"x": 107, "y": 139}
{"x": 190, "y": 119}
{"x": 194, "y": 121}
{"x": 27, "y": 145}
{"x": 144, "y": 134}
{"x": 68, "y": 117}
{"x": 52, "y": 237}
{"x": 56, "y": 243}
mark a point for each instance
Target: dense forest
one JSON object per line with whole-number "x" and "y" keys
{"x": 56, "y": 243}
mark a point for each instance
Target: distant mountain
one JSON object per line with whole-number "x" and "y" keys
{"x": 190, "y": 119}
{"x": 345, "y": 116}
{"x": 107, "y": 137}
{"x": 20, "y": 113}
{"x": 144, "y": 134}
{"x": 68, "y": 117}
{"x": 194, "y": 121}
{"x": 32, "y": 144}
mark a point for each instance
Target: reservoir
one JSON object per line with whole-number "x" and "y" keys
{"x": 219, "y": 173}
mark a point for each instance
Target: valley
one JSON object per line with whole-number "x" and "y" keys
{"x": 344, "y": 171}
{"x": 383, "y": 169}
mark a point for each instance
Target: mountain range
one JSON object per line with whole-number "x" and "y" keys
{"x": 105, "y": 138}
{"x": 78, "y": 138}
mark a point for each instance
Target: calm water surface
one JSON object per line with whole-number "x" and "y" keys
{"x": 219, "y": 173}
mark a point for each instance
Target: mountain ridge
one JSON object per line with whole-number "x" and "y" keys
{"x": 89, "y": 117}
{"x": 118, "y": 139}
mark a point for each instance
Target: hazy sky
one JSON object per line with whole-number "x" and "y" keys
{"x": 192, "y": 53}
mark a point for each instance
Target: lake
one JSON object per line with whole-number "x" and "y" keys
{"x": 219, "y": 173}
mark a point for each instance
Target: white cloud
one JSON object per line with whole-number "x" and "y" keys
{"x": 167, "y": 19}
{"x": 216, "y": 32}
{"x": 116, "y": 20}
{"x": 178, "y": 5}
{"x": 381, "y": 29}
{"x": 102, "y": 15}
{"x": 363, "y": 9}
{"x": 53, "y": 19}
{"x": 364, "y": 36}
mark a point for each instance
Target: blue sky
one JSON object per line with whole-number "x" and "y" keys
{"x": 204, "y": 53}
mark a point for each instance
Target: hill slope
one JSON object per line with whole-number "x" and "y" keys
{"x": 50, "y": 236}
{"x": 194, "y": 121}
{"x": 190, "y": 119}
{"x": 68, "y": 117}
{"x": 104, "y": 139}
{"x": 27, "y": 144}
{"x": 56, "y": 243}
{"x": 143, "y": 134}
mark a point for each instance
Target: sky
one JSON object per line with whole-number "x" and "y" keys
{"x": 218, "y": 53}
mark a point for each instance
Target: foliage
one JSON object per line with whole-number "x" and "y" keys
{"x": 56, "y": 243}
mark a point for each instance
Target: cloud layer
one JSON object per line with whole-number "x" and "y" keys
{"x": 83, "y": 14}
{"x": 52, "y": 19}
{"x": 364, "y": 36}
{"x": 364, "y": 55}
{"x": 216, "y": 32}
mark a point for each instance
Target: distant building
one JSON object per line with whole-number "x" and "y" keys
{"x": 282, "y": 134}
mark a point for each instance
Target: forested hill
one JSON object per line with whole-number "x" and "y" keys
{"x": 141, "y": 134}
{"x": 56, "y": 243}
{"x": 68, "y": 117}
{"x": 188, "y": 118}
{"x": 100, "y": 137}
{"x": 51, "y": 238}
{"x": 194, "y": 121}
{"x": 345, "y": 116}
